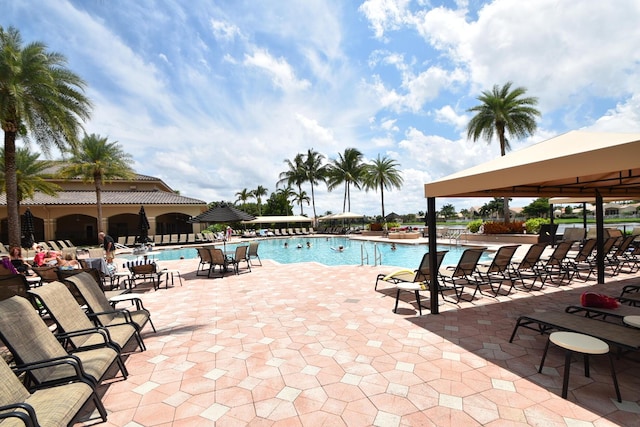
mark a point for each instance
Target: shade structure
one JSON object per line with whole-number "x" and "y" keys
{"x": 143, "y": 226}
{"x": 27, "y": 229}
{"x": 346, "y": 215}
{"x": 222, "y": 213}
{"x": 576, "y": 164}
{"x": 278, "y": 219}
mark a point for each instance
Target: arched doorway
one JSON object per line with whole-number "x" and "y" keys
{"x": 123, "y": 225}
{"x": 173, "y": 223}
{"x": 80, "y": 229}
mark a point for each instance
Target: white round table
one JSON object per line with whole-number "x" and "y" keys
{"x": 586, "y": 345}
{"x": 632, "y": 321}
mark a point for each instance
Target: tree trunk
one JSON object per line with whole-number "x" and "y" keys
{"x": 98, "y": 183}
{"x": 11, "y": 183}
{"x": 503, "y": 150}
{"x": 313, "y": 203}
{"x": 384, "y": 220}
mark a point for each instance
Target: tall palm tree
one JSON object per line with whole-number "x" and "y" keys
{"x": 295, "y": 175}
{"x": 243, "y": 196}
{"x": 503, "y": 111}
{"x": 258, "y": 194}
{"x": 98, "y": 160}
{"x": 31, "y": 174}
{"x": 380, "y": 174}
{"x": 316, "y": 173}
{"x": 40, "y": 99}
{"x": 300, "y": 198}
{"x": 347, "y": 169}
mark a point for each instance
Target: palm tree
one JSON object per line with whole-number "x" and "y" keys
{"x": 503, "y": 111}
{"x": 243, "y": 196}
{"x": 30, "y": 175}
{"x": 40, "y": 99}
{"x": 296, "y": 174}
{"x": 258, "y": 193}
{"x": 316, "y": 173}
{"x": 300, "y": 198}
{"x": 347, "y": 169}
{"x": 380, "y": 174}
{"x": 96, "y": 159}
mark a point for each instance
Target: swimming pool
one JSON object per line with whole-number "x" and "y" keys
{"x": 323, "y": 250}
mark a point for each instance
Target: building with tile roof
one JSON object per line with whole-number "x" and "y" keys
{"x": 72, "y": 213}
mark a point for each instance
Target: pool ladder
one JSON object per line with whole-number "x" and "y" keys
{"x": 364, "y": 255}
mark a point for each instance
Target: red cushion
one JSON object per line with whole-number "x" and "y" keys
{"x": 591, "y": 299}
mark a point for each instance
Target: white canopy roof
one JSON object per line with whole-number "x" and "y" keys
{"x": 574, "y": 164}
{"x": 278, "y": 219}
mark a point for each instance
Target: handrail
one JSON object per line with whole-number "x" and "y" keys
{"x": 364, "y": 254}
{"x": 377, "y": 256}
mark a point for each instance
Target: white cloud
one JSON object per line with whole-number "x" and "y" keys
{"x": 282, "y": 74}
{"x": 224, "y": 31}
{"x": 384, "y": 15}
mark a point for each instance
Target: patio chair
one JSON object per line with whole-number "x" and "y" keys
{"x": 101, "y": 309}
{"x": 583, "y": 260}
{"x": 205, "y": 260}
{"x": 419, "y": 280}
{"x": 218, "y": 259}
{"x": 239, "y": 256}
{"x": 253, "y": 252}
{"x": 455, "y": 278}
{"x": 547, "y": 233}
{"x": 69, "y": 317}
{"x": 144, "y": 271}
{"x": 53, "y": 406}
{"x": 498, "y": 271}
{"x": 555, "y": 265}
{"x": 46, "y": 274}
{"x": 616, "y": 258}
{"x": 29, "y": 340}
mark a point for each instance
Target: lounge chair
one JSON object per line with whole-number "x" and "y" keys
{"x": 51, "y": 406}
{"x": 617, "y": 258}
{"x": 498, "y": 271}
{"x": 413, "y": 281}
{"x": 573, "y": 234}
{"x": 606, "y": 314}
{"x": 544, "y": 322}
{"x": 69, "y": 317}
{"x": 239, "y": 256}
{"x": 276, "y": 232}
{"x": 583, "y": 260}
{"x": 46, "y": 273}
{"x": 455, "y": 278}
{"x": 253, "y": 252}
{"x": 555, "y": 265}
{"x": 30, "y": 341}
{"x": 101, "y": 309}
{"x": 16, "y": 284}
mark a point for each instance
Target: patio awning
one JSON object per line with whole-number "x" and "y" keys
{"x": 278, "y": 219}
{"x": 574, "y": 164}
{"x": 346, "y": 215}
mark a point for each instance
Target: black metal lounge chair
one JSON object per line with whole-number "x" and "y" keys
{"x": 253, "y": 252}
{"x": 583, "y": 260}
{"x": 455, "y": 278}
{"x": 498, "y": 271}
{"x": 545, "y": 322}
{"x": 69, "y": 317}
{"x": 29, "y": 340}
{"x": 239, "y": 256}
{"x": 420, "y": 280}
{"x": 48, "y": 406}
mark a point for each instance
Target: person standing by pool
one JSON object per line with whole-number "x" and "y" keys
{"x": 108, "y": 244}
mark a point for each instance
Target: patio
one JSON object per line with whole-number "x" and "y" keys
{"x": 306, "y": 344}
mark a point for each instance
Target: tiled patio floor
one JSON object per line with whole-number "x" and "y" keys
{"x": 310, "y": 345}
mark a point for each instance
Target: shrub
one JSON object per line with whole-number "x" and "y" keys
{"x": 514, "y": 227}
{"x": 533, "y": 224}
{"x": 474, "y": 226}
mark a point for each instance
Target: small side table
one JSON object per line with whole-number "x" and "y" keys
{"x": 586, "y": 345}
{"x": 632, "y": 321}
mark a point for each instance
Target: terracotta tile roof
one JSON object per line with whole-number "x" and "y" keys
{"x": 109, "y": 198}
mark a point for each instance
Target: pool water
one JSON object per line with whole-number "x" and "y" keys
{"x": 323, "y": 250}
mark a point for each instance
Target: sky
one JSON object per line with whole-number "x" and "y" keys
{"x": 213, "y": 96}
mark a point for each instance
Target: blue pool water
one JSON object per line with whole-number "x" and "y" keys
{"x": 323, "y": 251}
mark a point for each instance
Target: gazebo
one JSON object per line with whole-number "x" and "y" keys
{"x": 577, "y": 164}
